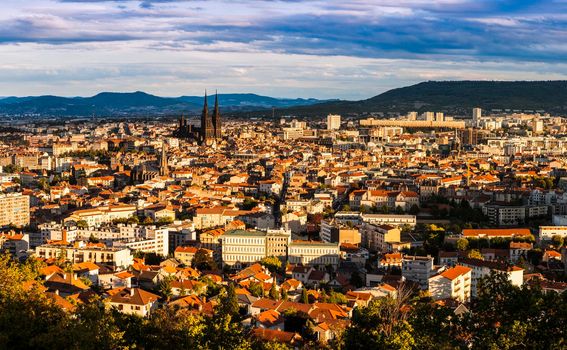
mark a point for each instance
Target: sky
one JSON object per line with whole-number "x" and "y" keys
{"x": 289, "y": 48}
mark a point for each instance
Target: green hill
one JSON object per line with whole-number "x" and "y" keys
{"x": 455, "y": 97}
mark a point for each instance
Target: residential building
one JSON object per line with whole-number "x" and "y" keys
{"x": 14, "y": 209}
{"x": 454, "y": 283}
{"x": 418, "y": 269}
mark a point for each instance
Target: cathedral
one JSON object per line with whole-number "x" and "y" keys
{"x": 210, "y": 130}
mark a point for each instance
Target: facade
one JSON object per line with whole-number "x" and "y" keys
{"x": 102, "y": 215}
{"x": 379, "y": 237}
{"x": 333, "y": 122}
{"x": 390, "y": 219}
{"x": 546, "y": 233}
{"x": 241, "y": 248}
{"x": 119, "y": 258}
{"x": 14, "y": 209}
{"x": 316, "y": 254}
{"x": 418, "y": 269}
{"x": 454, "y": 283}
{"x": 134, "y": 301}
{"x": 332, "y": 231}
{"x": 481, "y": 268}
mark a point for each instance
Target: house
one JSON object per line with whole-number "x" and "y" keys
{"x": 269, "y": 335}
{"x": 134, "y": 301}
{"x": 270, "y": 319}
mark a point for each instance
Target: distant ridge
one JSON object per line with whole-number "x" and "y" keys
{"x": 138, "y": 103}
{"x": 456, "y": 97}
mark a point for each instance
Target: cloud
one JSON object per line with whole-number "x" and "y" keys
{"x": 483, "y": 33}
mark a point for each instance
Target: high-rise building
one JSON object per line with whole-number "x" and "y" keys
{"x": 476, "y": 115}
{"x": 428, "y": 116}
{"x": 14, "y": 209}
{"x": 333, "y": 122}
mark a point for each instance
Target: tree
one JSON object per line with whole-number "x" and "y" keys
{"x": 475, "y": 254}
{"x": 356, "y": 280}
{"x": 283, "y": 294}
{"x": 256, "y": 289}
{"x": 414, "y": 209}
{"x": 273, "y": 293}
{"x": 462, "y": 244}
{"x": 82, "y": 224}
{"x": 165, "y": 287}
{"x": 203, "y": 261}
{"x": 557, "y": 241}
{"x": 228, "y": 301}
{"x": 272, "y": 263}
{"x": 380, "y": 325}
{"x": 336, "y": 298}
{"x": 304, "y": 296}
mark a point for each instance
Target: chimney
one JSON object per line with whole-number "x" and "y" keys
{"x": 131, "y": 292}
{"x": 64, "y": 235}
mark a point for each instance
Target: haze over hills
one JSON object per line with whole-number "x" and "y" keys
{"x": 139, "y": 103}
{"x": 455, "y": 97}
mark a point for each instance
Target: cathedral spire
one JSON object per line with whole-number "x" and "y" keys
{"x": 217, "y": 118}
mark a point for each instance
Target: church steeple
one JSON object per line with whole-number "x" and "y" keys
{"x": 207, "y": 128}
{"x": 163, "y": 168}
{"x": 217, "y": 118}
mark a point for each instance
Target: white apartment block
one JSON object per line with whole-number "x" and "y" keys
{"x": 79, "y": 252}
{"x": 14, "y": 209}
{"x": 481, "y": 268}
{"x": 102, "y": 215}
{"x": 333, "y": 122}
{"x": 547, "y": 232}
{"x": 241, "y": 248}
{"x": 148, "y": 239}
{"x": 316, "y": 254}
{"x": 389, "y": 219}
{"x": 454, "y": 283}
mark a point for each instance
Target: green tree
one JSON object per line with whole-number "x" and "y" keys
{"x": 256, "y": 289}
{"x": 475, "y": 254}
{"x": 273, "y": 293}
{"x": 272, "y": 263}
{"x": 304, "y": 296}
{"x": 203, "y": 261}
{"x": 82, "y": 224}
{"x": 557, "y": 241}
{"x": 380, "y": 325}
{"x": 462, "y": 244}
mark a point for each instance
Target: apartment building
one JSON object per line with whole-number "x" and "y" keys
{"x": 14, "y": 209}
{"x": 454, "y": 283}
{"x": 481, "y": 268}
{"x": 333, "y": 231}
{"x": 241, "y": 247}
{"x": 379, "y": 237}
{"x": 389, "y": 219}
{"x": 79, "y": 252}
{"x": 314, "y": 253}
{"x": 102, "y": 215}
{"x": 418, "y": 269}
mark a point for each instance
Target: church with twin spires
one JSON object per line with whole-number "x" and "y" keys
{"x": 210, "y": 130}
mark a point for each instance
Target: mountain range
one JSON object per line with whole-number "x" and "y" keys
{"x": 140, "y": 104}
{"x": 453, "y": 97}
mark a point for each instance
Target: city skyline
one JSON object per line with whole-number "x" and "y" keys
{"x": 317, "y": 49}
